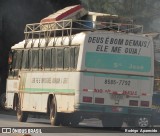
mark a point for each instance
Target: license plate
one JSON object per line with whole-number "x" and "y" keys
{"x": 117, "y": 97}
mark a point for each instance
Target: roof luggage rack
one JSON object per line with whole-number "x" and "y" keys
{"x": 70, "y": 27}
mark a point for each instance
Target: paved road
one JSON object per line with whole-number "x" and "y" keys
{"x": 91, "y": 127}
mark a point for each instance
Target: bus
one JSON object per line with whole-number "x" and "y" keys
{"x": 72, "y": 71}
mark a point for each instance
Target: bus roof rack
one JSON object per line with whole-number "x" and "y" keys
{"x": 70, "y": 27}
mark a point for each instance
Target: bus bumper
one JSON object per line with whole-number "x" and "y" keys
{"x": 101, "y": 110}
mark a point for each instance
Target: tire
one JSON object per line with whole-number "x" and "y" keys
{"x": 54, "y": 116}
{"x": 114, "y": 122}
{"x": 22, "y": 116}
{"x": 143, "y": 122}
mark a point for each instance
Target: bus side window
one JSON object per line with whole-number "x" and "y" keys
{"x": 66, "y": 58}
{"x": 76, "y": 50}
{"x": 60, "y": 58}
{"x": 25, "y": 59}
{"x": 40, "y": 59}
{"x": 72, "y": 58}
{"x": 13, "y": 60}
{"x": 17, "y": 59}
{"x": 53, "y": 58}
{"x": 47, "y": 58}
{"x": 34, "y": 59}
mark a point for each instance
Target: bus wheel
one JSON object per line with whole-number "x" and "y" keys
{"x": 54, "y": 116}
{"x": 142, "y": 121}
{"x": 22, "y": 116}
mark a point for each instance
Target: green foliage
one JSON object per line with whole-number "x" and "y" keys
{"x": 141, "y": 11}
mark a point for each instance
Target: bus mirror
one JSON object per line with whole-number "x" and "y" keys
{"x": 10, "y": 58}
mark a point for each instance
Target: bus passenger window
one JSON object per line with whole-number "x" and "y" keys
{"x": 25, "y": 59}
{"x": 34, "y": 58}
{"x": 76, "y": 56}
{"x": 74, "y": 52}
{"x": 47, "y": 58}
{"x": 60, "y": 58}
{"x": 17, "y": 59}
{"x": 66, "y": 58}
{"x": 72, "y": 57}
{"x": 53, "y": 58}
{"x": 40, "y": 59}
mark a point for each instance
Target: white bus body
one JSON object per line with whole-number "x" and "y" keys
{"x": 112, "y": 80}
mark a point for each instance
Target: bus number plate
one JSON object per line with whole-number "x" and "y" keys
{"x": 116, "y": 97}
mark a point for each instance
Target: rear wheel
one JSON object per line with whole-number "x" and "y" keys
{"x": 54, "y": 116}
{"x": 22, "y": 116}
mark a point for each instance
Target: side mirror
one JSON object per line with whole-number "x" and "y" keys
{"x": 10, "y": 58}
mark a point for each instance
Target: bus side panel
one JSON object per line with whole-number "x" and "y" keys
{"x": 39, "y": 85}
{"x": 31, "y": 92}
{"x": 68, "y": 87}
{"x": 65, "y": 103}
{"x": 12, "y": 88}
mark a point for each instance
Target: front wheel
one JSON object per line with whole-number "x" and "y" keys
{"x": 22, "y": 116}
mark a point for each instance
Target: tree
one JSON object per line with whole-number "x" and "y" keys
{"x": 145, "y": 12}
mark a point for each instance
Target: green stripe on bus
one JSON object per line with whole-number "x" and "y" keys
{"x": 49, "y": 90}
{"x": 115, "y": 76}
{"x": 118, "y": 62}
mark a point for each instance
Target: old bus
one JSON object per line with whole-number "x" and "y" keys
{"x": 77, "y": 73}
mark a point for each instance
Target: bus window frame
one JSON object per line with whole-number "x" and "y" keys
{"x": 31, "y": 59}
{"x": 64, "y": 57}
{"x": 14, "y": 66}
{"x": 28, "y": 52}
{"x": 44, "y": 59}
{"x": 62, "y": 61}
